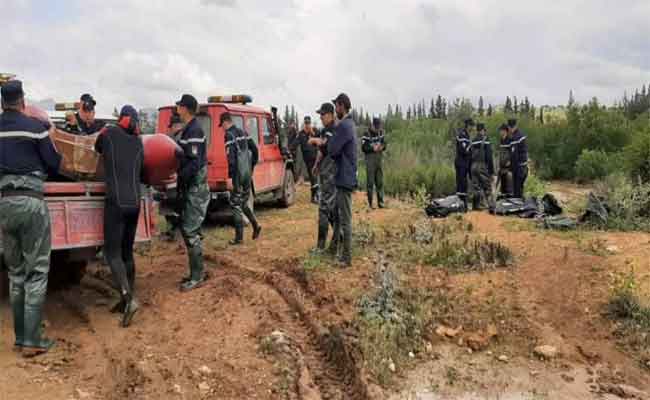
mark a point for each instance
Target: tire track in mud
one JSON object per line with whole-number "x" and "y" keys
{"x": 331, "y": 357}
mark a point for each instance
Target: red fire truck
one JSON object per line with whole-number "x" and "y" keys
{"x": 273, "y": 179}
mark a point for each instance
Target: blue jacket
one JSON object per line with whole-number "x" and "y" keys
{"x": 192, "y": 142}
{"x": 463, "y": 152}
{"x": 343, "y": 149}
{"x": 237, "y": 137}
{"x": 25, "y": 146}
{"x": 519, "y": 149}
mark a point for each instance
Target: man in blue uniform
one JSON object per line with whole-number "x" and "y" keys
{"x": 343, "y": 149}
{"x": 519, "y": 160}
{"x": 242, "y": 155}
{"x": 193, "y": 191}
{"x": 86, "y": 124}
{"x": 482, "y": 168}
{"x": 27, "y": 156}
{"x": 373, "y": 146}
{"x": 463, "y": 157}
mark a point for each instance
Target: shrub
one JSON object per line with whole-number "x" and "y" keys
{"x": 535, "y": 187}
{"x": 629, "y": 202}
{"x": 592, "y": 165}
{"x": 637, "y": 156}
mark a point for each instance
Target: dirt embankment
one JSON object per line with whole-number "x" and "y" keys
{"x": 273, "y": 323}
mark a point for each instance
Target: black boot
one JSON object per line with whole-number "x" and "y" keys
{"x": 18, "y": 308}
{"x": 131, "y": 308}
{"x": 239, "y": 236}
{"x": 370, "y": 198}
{"x": 257, "y": 230}
{"x": 34, "y": 343}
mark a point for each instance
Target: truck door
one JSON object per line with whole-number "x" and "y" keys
{"x": 269, "y": 147}
{"x": 259, "y": 175}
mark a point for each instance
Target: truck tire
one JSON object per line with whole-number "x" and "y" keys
{"x": 288, "y": 193}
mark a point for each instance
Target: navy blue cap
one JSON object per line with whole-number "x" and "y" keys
{"x": 325, "y": 108}
{"x": 512, "y": 122}
{"x": 129, "y": 111}
{"x": 188, "y": 101}
{"x": 12, "y": 91}
{"x": 376, "y": 122}
{"x": 307, "y": 119}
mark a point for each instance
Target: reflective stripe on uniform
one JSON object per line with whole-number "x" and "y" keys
{"x": 518, "y": 141}
{"x": 23, "y": 134}
{"x": 193, "y": 140}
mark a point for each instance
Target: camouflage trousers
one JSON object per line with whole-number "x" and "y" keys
{"x": 481, "y": 186}
{"x": 194, "y": 198}
{"x": 26, "y": 236}
{"x": 375, "y": 177}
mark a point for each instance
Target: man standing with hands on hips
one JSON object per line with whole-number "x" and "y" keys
{"x": 193, "y": 191}
{"x": 343, "y": 149}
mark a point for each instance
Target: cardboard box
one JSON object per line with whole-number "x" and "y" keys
{"x": 80, "y": 160}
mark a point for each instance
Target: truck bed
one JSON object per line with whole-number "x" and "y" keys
{"x": 77, "y": 215}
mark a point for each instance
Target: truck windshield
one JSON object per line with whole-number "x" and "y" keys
{"x": 252, "y": 129}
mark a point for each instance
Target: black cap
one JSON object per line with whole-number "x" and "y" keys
{"x": 343, "y": 99}
{"x": 469, "y": 122}
{"x": 480, "y": 126}
{"x": 188, "y": 101}
{"x": 87, "y": 102}
{"x": 174, "y": 119}
{"x": 325, "y": 108}
{"x": 376, "y": 122}
{"x": 129, "y": 111}
{"x": 12, "y": 91}
{"x": 224, "y": 117}
{"x": 503, "y": 127}
{"x": 512, "y": 122}
{"x": 307, "y": 119}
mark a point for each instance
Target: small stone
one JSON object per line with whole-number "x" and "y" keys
{"x": 567, "y": 378}
{"x": 411, "y": 355}
{"x": 503, "y": 358}
{"x": 177, "y": 389}
{"x": 204, "y": 387}
{"x": 444, "y": 331}
{"x": 489, "y": 353}
{"x": 205, "y": 370}
{"x": 613, "y": 249}
{"x": 534, "y": 373}
{"x": 428, "y": 347}
{"x": 81, "y": 394}
{"x": 391, "y": 366}
{"x": 545, "y": 352}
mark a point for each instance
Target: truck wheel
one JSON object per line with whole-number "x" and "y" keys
{"x": 288, "y": 195}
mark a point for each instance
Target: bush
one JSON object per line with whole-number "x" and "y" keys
{"x": 637, "y": 156}
{"x": 629, "y": 203}
{"x": 592, "y": 165}
{"x": 535, "y": 187}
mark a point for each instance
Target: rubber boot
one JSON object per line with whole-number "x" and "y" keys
{"x": 320, "y": 243}
{"x": 370, "y": 198}
{"x": 34, "y": 343}
{"x": 18, "y": 309}
{"x": 239, "y": 235}
{"x": 131, "y": 308}
{"x": 197, "y": 277}
{"x": 257, "y": 230}
{"x": 130, "y": 275}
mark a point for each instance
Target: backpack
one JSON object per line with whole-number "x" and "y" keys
{"x": 527, "y": 208}
{"x": 441, "y": 208}
{"x": 550, "y": 205}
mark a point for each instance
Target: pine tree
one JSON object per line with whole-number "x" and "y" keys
{"x": 541, "y": 115}
{"x": 507, "y": 108}
{"x": 432, "y": 109}
{"x": 572, "y": 100}
{"x": 526, "y": 106}
{"x": 515, "y": 105}
{"x": 408, "y": 113}
{"x": 481, "y": 109}
{"x": 440, "y": 108}
{"x": 389, "y": 112}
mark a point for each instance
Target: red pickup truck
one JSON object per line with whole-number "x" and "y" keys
{"x": 273, "y": 178}
{"x": 77, "y": 218}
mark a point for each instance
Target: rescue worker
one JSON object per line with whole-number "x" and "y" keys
{"x": 27, "y": 156}
{"x": 192, "y": 189}
{"x": 325, "y": 168}
{"x": 505, "y": 169}
{"x": 374, "y": 145}
{"x": 86, "y": 122}
{"x": 519, "y": 160}
{"x": 172, "y": 212}
{"x": 123, "y": 155}
{"x": 343, "y": 149}
{"x": 242, "y": 155}
{"x": 309, "y": 155}
{"x": 482, "y": 168}
{"x": 462, "y": 162}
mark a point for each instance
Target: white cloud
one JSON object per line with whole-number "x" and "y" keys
{"x": 304, "y": 52}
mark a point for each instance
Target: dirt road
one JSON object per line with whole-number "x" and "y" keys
{"x": 275, "y": 324}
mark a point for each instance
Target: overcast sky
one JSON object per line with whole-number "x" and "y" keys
{"x": 148, "y": 52}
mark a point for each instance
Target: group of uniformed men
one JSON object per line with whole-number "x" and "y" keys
{"x": 474, "y": 162}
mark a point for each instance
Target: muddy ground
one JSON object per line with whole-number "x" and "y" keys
{"x": 273, "y": 323}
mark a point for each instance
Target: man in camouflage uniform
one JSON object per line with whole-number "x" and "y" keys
{"x": 193, "y": 191}
{"x": 27, "y": 155}
{"x": 242, "y": 155}
{"x": 482, "y": 168}
{"x": 374, "y": 145}
{"x": 326, "y": 169}
{"x": 505, "y": 156}
{"x": 172, "y": 211}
